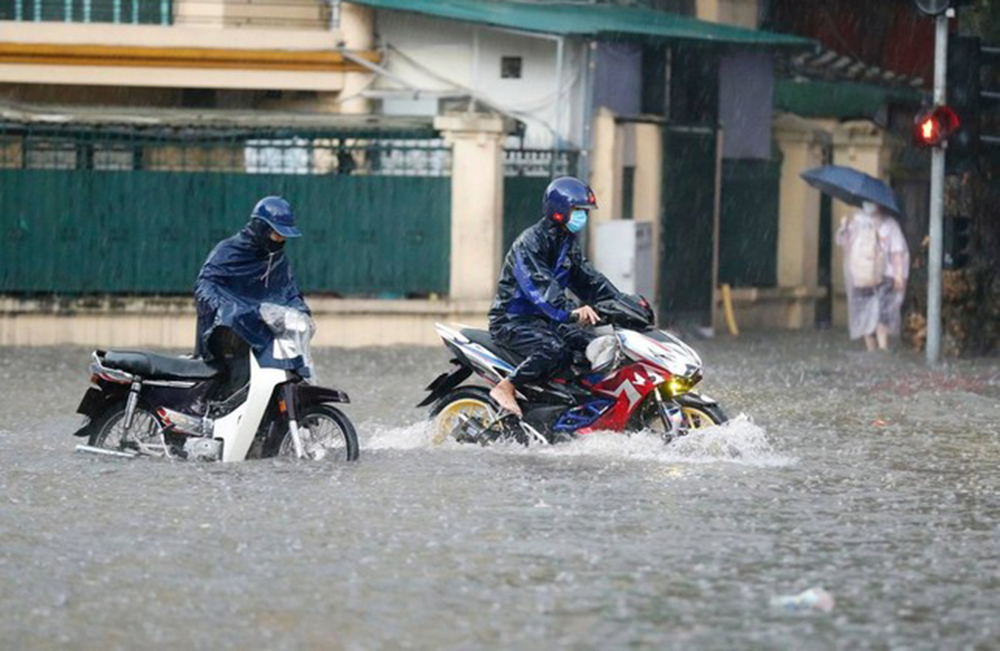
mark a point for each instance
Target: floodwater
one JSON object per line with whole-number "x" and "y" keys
{"x": 866, "y": 475}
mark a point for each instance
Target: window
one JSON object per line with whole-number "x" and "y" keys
{"x": 50, "y": 154}
{"x": 284, "y": 156}
{"x": 139, "y": 12}
{"x": 510, "y": 67}
{"x": 113, "y": 158}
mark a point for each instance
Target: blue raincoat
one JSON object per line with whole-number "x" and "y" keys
{"x": 240, "y": 274}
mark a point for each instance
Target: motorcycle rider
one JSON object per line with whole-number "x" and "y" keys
{"x": 532, "y": 314}
{"x": 241, "y": 273}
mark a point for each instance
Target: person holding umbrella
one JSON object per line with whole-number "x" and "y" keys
{"x": 876, "y": 257}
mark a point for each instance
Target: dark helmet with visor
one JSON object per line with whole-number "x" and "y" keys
{"x": 278, "y": 214}
{"x": 564, "y": 195}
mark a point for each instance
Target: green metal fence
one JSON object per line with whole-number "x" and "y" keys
{"x": 686, "y": 227}
{"x": 127, "y": 210}
{"x": 748, "y": 222}
{"x": 527, "y": 172}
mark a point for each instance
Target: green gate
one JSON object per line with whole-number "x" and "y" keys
{"x": 687, "y": 225}
{"x": 123, "y": 211}
{"x": 748, "y": 222}
{"x": 527, "y": 172}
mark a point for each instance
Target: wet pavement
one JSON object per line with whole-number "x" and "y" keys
{"x": 867, "y": 475}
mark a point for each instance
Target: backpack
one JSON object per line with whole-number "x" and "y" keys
{"x": 866, "y": 258}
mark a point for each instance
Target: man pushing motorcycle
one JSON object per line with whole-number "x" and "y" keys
{"x": 532, "y": 313}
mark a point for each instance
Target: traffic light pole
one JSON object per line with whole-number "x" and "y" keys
{"x": 935, "y": 254}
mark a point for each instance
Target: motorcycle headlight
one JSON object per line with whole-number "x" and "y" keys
{"x": 677, "y": 385}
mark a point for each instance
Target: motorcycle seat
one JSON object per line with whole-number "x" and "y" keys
{"x": 151, "y": 366}
{"x": 483, "y": 338}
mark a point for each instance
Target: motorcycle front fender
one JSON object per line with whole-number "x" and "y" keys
{"x": 696, "y": 400}
{"x": 308, "y": 394}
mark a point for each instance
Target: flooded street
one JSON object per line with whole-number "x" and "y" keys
{"x": 867, "y": 475}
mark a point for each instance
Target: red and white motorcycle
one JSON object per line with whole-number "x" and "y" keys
{"x": 634, "y": 378}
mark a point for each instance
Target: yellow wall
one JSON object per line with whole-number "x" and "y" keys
{"x": 742, "y": 13}
{"x": 278, "y": 45}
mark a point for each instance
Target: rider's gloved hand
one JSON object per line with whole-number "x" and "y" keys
{"x": 585, "y": 315}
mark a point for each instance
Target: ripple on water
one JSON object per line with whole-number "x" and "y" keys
{"x": 870, "y": 476}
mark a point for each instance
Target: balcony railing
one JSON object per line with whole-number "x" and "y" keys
{"x": 294, "y": 14}
{"x": 136, "y": 12}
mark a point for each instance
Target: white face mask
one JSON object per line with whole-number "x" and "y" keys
{"x": 869, "y": 207}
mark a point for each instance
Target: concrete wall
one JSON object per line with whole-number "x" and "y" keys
{"x": 802, "y": 144}
{"x": 648, "y": 191}
{"x": 770, "y": 308}
{"x": 170, "y": 322}
{"x": 442, "y": 56}
{"x": 476, "y": 203}
{"x": 606, "y": 167}
{"x": 858, "y": 144}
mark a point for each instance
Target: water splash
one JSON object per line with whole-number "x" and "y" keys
{"x": 407, "y": 437}
{"x": 738, "y": 441}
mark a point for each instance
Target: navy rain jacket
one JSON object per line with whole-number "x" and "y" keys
{"x": 240, "y": 273}
{"x": 545, "y": 261}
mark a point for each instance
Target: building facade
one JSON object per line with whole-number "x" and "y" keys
{"x": 462, "y": 112}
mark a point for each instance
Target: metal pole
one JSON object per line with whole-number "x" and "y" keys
{"x": 583, "y": 165}
{"x": 560, "y": 107}
{"x": 935, "y": 253}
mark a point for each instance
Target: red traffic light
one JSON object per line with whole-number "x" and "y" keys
{"x": 933, "y": 126}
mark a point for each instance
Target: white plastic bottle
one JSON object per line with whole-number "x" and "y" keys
{"x": 812, "y": 599}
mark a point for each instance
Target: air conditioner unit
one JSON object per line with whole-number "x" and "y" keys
{"x": 623, "y": 251}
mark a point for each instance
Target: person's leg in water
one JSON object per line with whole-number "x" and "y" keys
{"x": 882, "y": 336}
{"x": 871, "y": 342}
{"x": 889, "y": 302}
{"x": 545, "y": 351}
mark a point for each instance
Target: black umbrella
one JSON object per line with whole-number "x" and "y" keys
{"x": 851, "y": 186}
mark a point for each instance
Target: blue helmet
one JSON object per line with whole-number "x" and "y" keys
{"x": 276, "y": 213}
{"x": 563, "y": 195}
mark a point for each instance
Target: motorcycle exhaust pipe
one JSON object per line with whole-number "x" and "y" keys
{"x": 122, "y": 454}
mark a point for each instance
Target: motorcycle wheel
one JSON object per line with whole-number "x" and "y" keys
{"x": 702, "y": 416}
{"x": 110, "y": 427}
{"x": 326, "y": 433}
{"x": 472, "y": 402}
{"x": 696, "y": 416}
